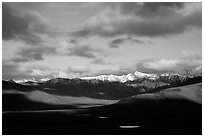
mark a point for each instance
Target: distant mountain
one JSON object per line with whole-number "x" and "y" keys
{"x": 102, "y": 89}
{"x": 180, "y": 80}
{"x": 153, "y": 81}
{"x": 196, "y": 72}
{"x": 77, "y": 88}
{"x": 148, "y": 84}
{"x": 108, "y": 86}
{"x": 123, "y": 78}
{"x": 91, "y": 88}
{"x": 26, "y": 80}
{"x": 12, "y": 81}
{"x": 33, "y": 80}
{"x": 8, "y": 85}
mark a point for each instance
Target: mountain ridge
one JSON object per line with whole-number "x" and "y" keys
{"x": 126, "y": 78}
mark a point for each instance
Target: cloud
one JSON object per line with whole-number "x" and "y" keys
{"x": 73, "y": 41}
{"x": 27, "y": 26}
{"x": 167, "y": 65}
{"x": 20, "y": 59}
{"x": 8, "y": 69}
{"x": 188, "y": 55}
{"x": 157, "y": 65}
{"x": 85, "y": 51}
{"x": 82, "y": 51}
{"x": 119, "y": 41}
{"x": 33, "y": 53}
{"x": 143, "y": 19}
{"x": 99, "y": 61}
{"x": 110, "y": 71}
{"x": 149, "y": 9}
{"x": 11, "y": 70}
{"x": 79, "y": 69}
{"x": 106, "y": 72}
{"x": 38, "y": 72}
{"x": 15, "y": 71}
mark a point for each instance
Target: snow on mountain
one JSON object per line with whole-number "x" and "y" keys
{"x": 26, "y": 80}
{"x": 32, "y": 80}
{"x": 145, "y": 75}
{"x": 197, "y": 71}
{"x": 171, "y": 74}
{"x": 123, "y": 78}
{"x": 129, "y": 77}
{"x": 44, "y": 79}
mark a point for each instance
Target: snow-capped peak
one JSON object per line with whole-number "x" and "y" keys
{"x": 123, "y": 78}
{"x": 130, "y": 76}
{"x": 145, "y": 75}
{"x": 141, "y": 75}
{"x": 44, "y": 79}
{"x": 198, "y": 69}
{"x": 25, "y": 80}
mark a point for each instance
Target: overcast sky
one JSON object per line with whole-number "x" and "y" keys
{"x": 87, "y": 39}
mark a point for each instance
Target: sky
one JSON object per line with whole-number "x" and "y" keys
{"x": 49, "y": 40}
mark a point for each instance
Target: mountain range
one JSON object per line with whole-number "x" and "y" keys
{"x": 129, "y": 77}
{"x": 107, "y": 86}
{"x": 123, "y": 78}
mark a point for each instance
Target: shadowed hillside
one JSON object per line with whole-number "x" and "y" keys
{"x": 172, "y": 111}
{"x": 38, "y": 100}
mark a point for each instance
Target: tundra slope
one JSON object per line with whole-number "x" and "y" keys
{"x": 174, "y": 111}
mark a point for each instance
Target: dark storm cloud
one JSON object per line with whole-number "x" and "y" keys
{"x": 119, "y": 41}
{"x": 80, "y": 70}
{"x": 34, "y": 54}
{"x": 10, "y": 71}
{"x": 25, "y": 26}
{"x": 13, "y": 72}
{"x": 82, "y": 51}
{"x": 73, "y": 41}
{"x": 99, "y": 61}
{"x": 20, "y": 59}
{"x": 149, "y": 9}
{"x": 8, "y": 68}
{"x": 116, "y": 42}
{"x": 147, "y": 19}
{"x": 85, "y": 51}
{"x": 157, "y": 27}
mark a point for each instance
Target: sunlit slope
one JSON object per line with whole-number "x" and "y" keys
{"x": 191, "y": 93}
{"x": 15, "y": 100}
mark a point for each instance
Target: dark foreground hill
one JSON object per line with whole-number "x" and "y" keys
{"x": 168, "y": 112}
{"x": 38, "y": 100}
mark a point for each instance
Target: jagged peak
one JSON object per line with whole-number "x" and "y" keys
{"x": 122, "y": 78}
